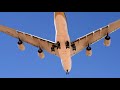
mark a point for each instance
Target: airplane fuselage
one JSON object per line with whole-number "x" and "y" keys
{"x": 62, "y": 37}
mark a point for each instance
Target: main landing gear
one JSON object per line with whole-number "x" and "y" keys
{"x": 67, "y": 44}
{"x": 53, "y": 48}
{"x": 73, "y": 47}
{"x": 57, "y": 45}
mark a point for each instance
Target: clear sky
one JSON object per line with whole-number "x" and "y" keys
{"x": 104, "y": 63}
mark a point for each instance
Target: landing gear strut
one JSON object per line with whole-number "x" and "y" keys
{"x": 67, "y": 44}
{"x": 53, "y": 48}
{"x": 58, "y": 45}
{"x": 73, "y": 47}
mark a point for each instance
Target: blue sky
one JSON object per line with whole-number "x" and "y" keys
{"x": 104, "y": 63}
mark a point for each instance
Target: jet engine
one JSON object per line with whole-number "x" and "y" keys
{"x": 107, "y": 40}
{"x": 89, "y": 51}
{"x": 40, "y": 53}
{"x": 21, "y": 45}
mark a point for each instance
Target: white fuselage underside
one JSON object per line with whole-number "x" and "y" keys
{"x": 62, "y": 36}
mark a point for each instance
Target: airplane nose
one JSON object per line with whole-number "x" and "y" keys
{"x": 67, "y": 64}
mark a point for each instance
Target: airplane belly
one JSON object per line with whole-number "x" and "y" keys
{"x": 64, "y": 53}
{"x": 62, "y": 37}
{"x": 65, "y": 57}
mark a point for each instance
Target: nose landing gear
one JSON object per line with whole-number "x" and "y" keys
{"x": 67, "y": 72}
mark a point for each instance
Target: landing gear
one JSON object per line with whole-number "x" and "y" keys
{"x": 53, "y": 48}
{"x": 67, "y": 72}
{"x": 58, "y": 45}
{"x": 73, "y": 47}
{"x": 67, "y": 44}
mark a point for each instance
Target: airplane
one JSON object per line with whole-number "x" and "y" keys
{"x": 63, "y": 47}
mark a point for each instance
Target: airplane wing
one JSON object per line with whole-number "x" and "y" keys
{"x": 33, "y": 40}
{"x": 94, "y": 36}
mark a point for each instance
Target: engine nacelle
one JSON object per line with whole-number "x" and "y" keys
{"x": 40, "y": 53}
{"x": 107, "y": 41}
{"x": 88, "y": 51}
{"x": 21, "y": 45}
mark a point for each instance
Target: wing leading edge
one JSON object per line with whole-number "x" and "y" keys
{"x": 94, "y": 36}
{"x": 30, "y": 39}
